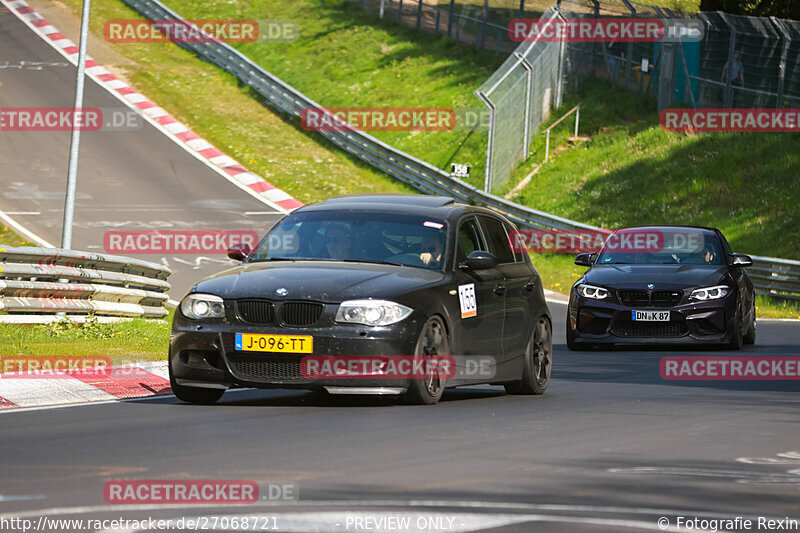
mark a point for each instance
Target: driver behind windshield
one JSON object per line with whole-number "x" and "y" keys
{"x": 337, "y": 241}
{"x": 431, "y": 253}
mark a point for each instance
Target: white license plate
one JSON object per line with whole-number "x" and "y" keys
{"x": 650, "y": 316}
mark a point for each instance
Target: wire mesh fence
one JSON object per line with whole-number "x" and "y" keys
{"x": 738, "y": 61}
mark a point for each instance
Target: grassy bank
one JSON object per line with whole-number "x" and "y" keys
{"x": 123, "y": 342}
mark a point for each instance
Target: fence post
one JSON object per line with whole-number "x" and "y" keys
{"x": 787, "y": 40}
{"x": 562, "y": 52}
{"x": 419, "y": 13}
{"x": 490, "y": 145}
{"x": 400, "y": 12}
{"x": 577, "y": 118}
{"x": 380, "y": 14}
{"x": 450, "y": 18}
{"x": 526, "y": 136}
{"x": 482, "y": 34}
{"x": 728, "y": 102}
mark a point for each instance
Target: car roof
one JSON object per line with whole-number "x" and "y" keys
{"x": 443, "y": 207}
{"x": 702, "y": 229}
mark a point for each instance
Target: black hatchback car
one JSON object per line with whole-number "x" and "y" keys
{"x": 398, "y": 278}
{"x": 663, "y": 285}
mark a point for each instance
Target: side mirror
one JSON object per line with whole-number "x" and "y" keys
{"x": 584, "y": 260}
{"x": 741, "y": 260}
{"x": 478, "y": 260}
{"x": 239, "y": 252}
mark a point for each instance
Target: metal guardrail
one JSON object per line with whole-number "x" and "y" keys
{"x": 35, "y": 280}
{"x": 775, "y": 277}
{"x": 778, "y": 277}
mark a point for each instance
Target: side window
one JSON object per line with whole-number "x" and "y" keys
{"x": 498, "y": 240}
{"x": 519, "y": 249}
{"x": 469, "y": 239}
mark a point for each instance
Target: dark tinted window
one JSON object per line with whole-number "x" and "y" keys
{"x": 668, "y": 246}
{"x": 498, "y": 240}
{"x": 469, "y": 239}
{"x": 518, "y": 248}
{"x": 363, "y": 236}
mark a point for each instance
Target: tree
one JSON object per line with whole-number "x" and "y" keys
{"x": 785, "y": 9}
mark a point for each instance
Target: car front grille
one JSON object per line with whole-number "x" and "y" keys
{"x": 267, "y": 370}
{"x": 265, "y": 312}
{"x": 641, "y": 298}
{"x": 300, "y": 314}
{"x": 258, "y": 312}
{"x": 634, "y": 298}
{"x": 649, "y": 329}
{"x": 666, "y": 298}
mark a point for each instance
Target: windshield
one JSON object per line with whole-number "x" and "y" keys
{"x": 657, "y": 247}
{"x": 368, "y": 237}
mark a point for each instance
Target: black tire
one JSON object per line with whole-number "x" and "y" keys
{"x": 432, "y": 342}
{"x": 537, "y": 362}
{"x": 194, "y": 395}
{"x": 738, "y": 337}
{"x": 750, "y": 334}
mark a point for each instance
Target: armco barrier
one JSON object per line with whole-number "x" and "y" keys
{"x": 36, "y": 281}
{"x": 778, "y": 277}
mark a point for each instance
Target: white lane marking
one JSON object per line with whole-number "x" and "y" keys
{"x": 552, "y": 301}
{"x": 741, "y": 476}
{"x": 19, "y": 228}
{"x": 23, "y": 212}
{"x": 785, "y": 458}
{"x": 72, "y": 58}
{"x": 21, "y": 498}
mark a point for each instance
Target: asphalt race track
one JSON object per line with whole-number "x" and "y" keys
{"x": 127, "y": 180}
{"x": 610, "y": 447}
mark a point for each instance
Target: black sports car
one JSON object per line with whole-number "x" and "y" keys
{"x": 663, "y": 285}
{"x": 400, "y": 278}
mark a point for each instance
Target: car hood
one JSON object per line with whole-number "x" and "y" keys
{"x": 325, "y": 281}
{"x": 662, "y": 276}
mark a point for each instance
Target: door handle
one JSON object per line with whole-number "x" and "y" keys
{"x": 500, "y": 289}
{"x": 529, "y": 286}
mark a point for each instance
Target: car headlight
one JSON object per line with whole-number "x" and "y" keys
{"x": 710, "y": 293}
{"x": 199, "y": 306}
{"x": 591, "y": 291}
{"x": 371, "y": 312}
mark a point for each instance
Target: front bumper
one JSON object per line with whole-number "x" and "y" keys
{"x": 203, "y": 354}
{"x": 597, "y": 322}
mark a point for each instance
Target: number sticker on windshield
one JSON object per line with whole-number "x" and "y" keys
{"x": 466, "y": 297}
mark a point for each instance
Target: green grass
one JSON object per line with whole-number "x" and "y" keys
{"x": 123, "y": 342}
{"x": 10, "y": 238}
{"x": 233, "y": 118}
{"x": 627, "y": 171}
{"x": 631, "y": 172}
{"x": 346, "y": 57}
